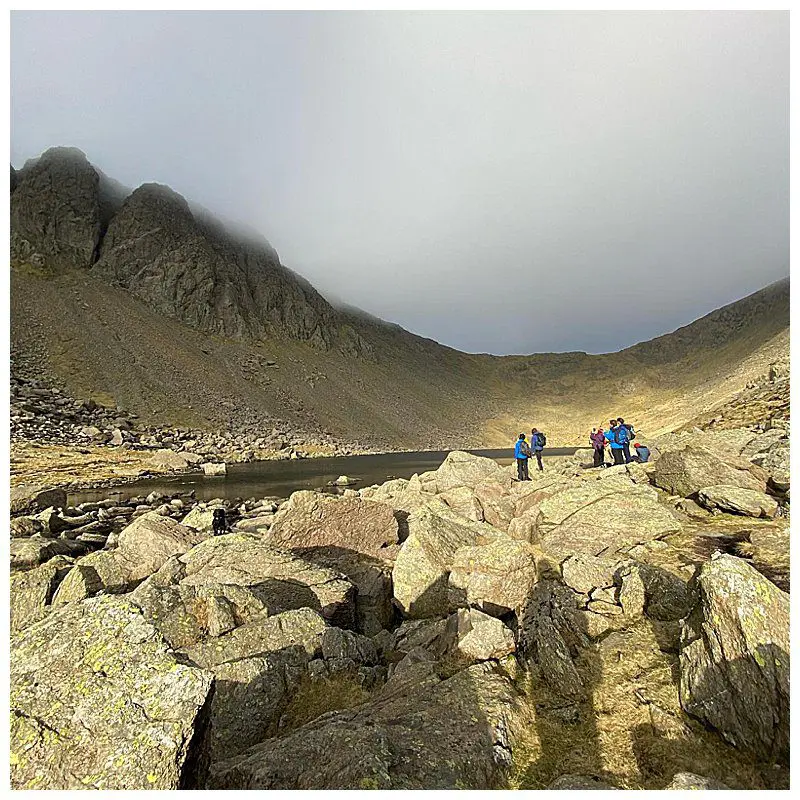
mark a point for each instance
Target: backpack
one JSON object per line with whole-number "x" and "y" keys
{"x": 622, "y": 434}
{"x": 541, "y": 439}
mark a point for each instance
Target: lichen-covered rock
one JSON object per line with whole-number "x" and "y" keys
{"x": 422, "y": 566}
{"x": 480, "y": 637}
{"x": 32, "y": 591}
{"x": 687, "y": 470}
{"x": 734, "y": 658}
{"x": 168, "y": 459}
{"x": 201, "y": 518}
{"x": 583, "y": 572}
{"x": 150, "y": 540}
{"x": 610, "y": 524}
{"x": 688, "y": 780}
{"x": 340, "y": 644}
{"x": 186, "y": 614}
{"x": 30, "y": 552}
{"x": 98, "y": 701}
{"x": 463, "y": 501}
{"x": 309, "y": 519}
{"x": 464, "y": 469}
{"x": 302, "y": 627}
{"x": 551, "y": 630}
{"x": 282, "y": 579}
{"x": 735, "y": 500}
{"x": 418, "y": 732}
{"x": 495, "y": 577}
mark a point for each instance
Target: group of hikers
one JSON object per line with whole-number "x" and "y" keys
{"x": 523, "y": 451}
{"x": 619, "y": 436}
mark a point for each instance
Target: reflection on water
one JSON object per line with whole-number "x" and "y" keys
{"x": 280, "y": 478}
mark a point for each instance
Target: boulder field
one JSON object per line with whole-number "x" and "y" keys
{"x": 610, "y": 628}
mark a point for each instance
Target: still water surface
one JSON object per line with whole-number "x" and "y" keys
{"x": 280, "y": 478}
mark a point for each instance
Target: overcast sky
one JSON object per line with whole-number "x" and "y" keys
{"x": 507, "y": 182}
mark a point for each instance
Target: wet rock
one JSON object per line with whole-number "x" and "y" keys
{"x": 212, "y": 469}
{"x": 97, "y": 701}
{"x": 734, "y": 658}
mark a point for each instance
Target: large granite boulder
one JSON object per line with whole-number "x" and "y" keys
{"x": 495, "y": 577}
{"x": 99, "y": 702}
{"x": 465, "y": 469}
{"x": 610, "y": 524}
{"x": 687, "y": 470}
{"x": 150, "y": 540}
{"x": 283, "y": 580}
{"x": 309, "y": 519}
{"x": 734, "y": 659}
{"x": 423, "y": 563}
{"x": 418, "y": 732}
{"x": 735, "y": 500}
{"x": 463, "y": 501}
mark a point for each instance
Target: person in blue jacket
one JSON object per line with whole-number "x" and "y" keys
{"x": 521, "y": 453}
{"x": 616, "y": 446}
{"x": 642, "y": 453}
{"x": 538, "y": 441}
{"x": 626, "y": 434}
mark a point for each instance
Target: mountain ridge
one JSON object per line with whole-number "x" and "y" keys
{"x": 200, "y": 285}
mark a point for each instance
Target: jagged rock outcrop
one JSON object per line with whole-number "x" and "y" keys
{"x": 735, "y": 658}
{"x": 418, "y": 732}
{"x": 98, "y": 702}
{"x": 56, "y": 218}
{"x": 192, "y": 269}
{"x": 736, "y": 500}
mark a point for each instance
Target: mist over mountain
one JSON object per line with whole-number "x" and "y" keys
{"x": 137, "y": 295}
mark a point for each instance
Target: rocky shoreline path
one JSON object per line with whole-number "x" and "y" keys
{"x": 617, "y": 628}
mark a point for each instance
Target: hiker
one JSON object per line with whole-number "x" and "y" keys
{"x": 616, "y": 446}
{"x": 642, "y": 453}
{"x": 218, "y": 522}
{"x": 521, "y": 453}
{"x": 630, "y": 433}
{"x": 624, "y": 435}
{"x": 598, "y": 441}
{"x": 538, "y": 441}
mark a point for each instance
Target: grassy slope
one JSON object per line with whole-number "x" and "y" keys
{"x": 412, "y": 392}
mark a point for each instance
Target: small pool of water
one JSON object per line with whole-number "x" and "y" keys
{"x": 280, "y": 478}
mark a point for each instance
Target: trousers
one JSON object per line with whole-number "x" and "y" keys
{"x": 522, "y": 469}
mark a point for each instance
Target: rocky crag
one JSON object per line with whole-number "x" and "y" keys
{"x": 139, "y": 300}
{"x": 592, "y": 628}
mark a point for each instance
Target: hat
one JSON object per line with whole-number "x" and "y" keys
{"x": 636, "y": 444}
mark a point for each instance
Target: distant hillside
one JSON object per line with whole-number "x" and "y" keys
{"x": 141, "y": 299}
